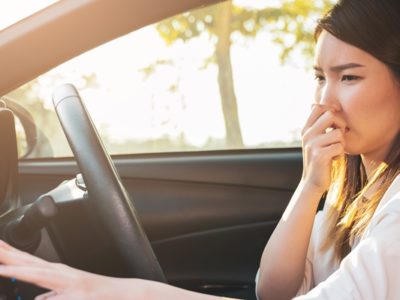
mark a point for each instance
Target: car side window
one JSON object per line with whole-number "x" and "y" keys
{"x": 235, "y": 75}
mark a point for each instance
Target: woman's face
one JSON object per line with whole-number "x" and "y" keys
{"x": 362, "y": 91}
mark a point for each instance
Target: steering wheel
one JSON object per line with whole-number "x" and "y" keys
{"x": 107, "y": 195}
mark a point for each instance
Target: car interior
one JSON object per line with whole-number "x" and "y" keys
{"x": 195, "y": 219}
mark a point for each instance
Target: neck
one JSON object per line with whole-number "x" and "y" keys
{"x": 373, "y": 160}
{"x": 370, "y": 165}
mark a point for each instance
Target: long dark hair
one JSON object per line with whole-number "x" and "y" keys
{"x": 374, "y": 27}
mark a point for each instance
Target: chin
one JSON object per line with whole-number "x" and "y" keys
{"x": 353, "y": 146}
{"x": 352, "y": 151}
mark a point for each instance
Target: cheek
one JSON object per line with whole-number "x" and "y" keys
{"x": 355, "y": 102}
{"x": 367, "y": 106}
{"x": 386, "y": 104}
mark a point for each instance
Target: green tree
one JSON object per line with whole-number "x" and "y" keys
{"x": 288, "y": 22}
{"x": 26, "y": 95}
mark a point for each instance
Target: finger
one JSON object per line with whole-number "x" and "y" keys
{"x": 49, "y": 295}
{"x": 4, "y": 245}
{"x": 329, "y": 138}
{"x": 319, "y": 149}
{"x": 327, "y": 120}
{"x": 18, "y": 255}
{"x": 326, "y": 155}
{"x": 334, "y": 151}
{"x": 12, "y": 256}
{"x": 56, "y": 296}
{"x": 68, "y": 297}
{"x": 327, "y": 106}
{"x": 316, "y": 112}
{"x": 47, "y": 278}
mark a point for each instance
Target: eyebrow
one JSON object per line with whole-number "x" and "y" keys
{"x": 339, "y": 68}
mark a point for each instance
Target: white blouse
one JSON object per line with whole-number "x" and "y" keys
{"x": 370, "y": 271}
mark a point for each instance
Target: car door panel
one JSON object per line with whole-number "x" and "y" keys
{"x": 208, "y": 215}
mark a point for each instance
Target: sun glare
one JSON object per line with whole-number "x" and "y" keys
{"x": 16, "y": 10}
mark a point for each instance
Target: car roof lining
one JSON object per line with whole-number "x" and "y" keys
{"x": 27, "y": 47}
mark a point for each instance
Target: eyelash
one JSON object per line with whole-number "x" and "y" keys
{"x": 320, "y": 78}
{"x": 350, "y": 77}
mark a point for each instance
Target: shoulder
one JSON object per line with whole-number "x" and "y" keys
{"x": 391, "y": 199}
{"x": 392, "y": 194}
{"x": 387, "y": 215}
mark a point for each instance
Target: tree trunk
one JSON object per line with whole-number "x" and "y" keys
{"x": 225, "y": 77}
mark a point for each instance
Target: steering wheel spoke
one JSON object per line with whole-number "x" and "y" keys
{"x": 107, "y": 195}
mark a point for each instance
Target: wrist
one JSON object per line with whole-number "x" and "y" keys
{"x": 309, "y": 193}
{"x": 311, "y": 188}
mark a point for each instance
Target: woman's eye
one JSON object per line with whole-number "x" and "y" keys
{"x": 319, "y": 78}
{"x": 350, "y": 78}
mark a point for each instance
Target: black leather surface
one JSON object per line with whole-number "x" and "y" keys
{"x": 8, "y": 161}
{"x": 107, "y": 195}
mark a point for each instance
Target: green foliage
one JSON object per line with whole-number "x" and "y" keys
{"x": 26, "y": 94}
{"x": 291, "y": 24}
{"x": 50, "y": 138}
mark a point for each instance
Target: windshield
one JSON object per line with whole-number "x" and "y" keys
{"x": 16, "y": 10}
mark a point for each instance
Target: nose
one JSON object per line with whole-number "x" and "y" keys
{"x": 327, "y": 95}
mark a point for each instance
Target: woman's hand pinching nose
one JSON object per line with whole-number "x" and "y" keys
{"x": 324, "y": 107}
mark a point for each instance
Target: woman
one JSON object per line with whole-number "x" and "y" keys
{"x": 351, "y": 147}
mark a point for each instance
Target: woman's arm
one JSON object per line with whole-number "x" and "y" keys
{"x": 68, "y": 283}
{"x": 283, "y": 260}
